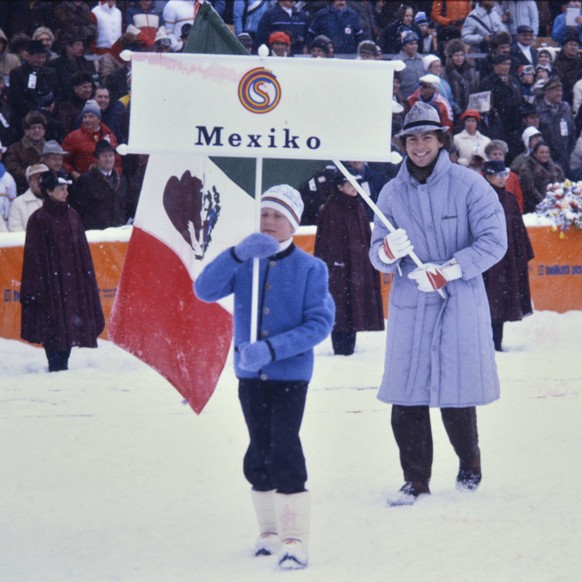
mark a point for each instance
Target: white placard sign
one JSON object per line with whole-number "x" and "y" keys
{"x": 271, "y": 107}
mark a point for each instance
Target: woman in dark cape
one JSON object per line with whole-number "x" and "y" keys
{"x": 59, "y": 293}
{"x": 343, "y": 242}
{"x": 507, "y": 282}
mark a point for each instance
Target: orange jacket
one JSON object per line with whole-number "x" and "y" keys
{"x": 454, "y": 10}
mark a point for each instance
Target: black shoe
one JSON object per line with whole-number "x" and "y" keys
{"x": 408, "y": 493}
{"x": 468, "y": 480}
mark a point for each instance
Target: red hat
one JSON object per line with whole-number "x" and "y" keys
{"x": 470, "y": 113}
{"x": 279, "y": 36}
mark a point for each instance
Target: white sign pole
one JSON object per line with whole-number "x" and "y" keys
{"x": 256, "y": 261}
{"x": 376, "y": 210}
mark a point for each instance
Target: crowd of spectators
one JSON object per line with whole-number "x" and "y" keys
{"x": 493, "y": 71}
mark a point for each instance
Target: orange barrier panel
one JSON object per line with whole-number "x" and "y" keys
{"x": 107, "y": 257}
{"x": 555, "y": 274}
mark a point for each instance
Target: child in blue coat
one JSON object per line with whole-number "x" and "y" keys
{"x": 296, "y": 312}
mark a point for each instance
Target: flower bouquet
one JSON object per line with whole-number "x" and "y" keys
{"x": 562, "y": 206}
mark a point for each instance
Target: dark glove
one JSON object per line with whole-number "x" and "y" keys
{"x": 256, "y": 245}
{"x": 254, "y": 356}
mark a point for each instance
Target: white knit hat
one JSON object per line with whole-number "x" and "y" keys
{"x": 286, "y": 200}
{"x": 428, "y": 60}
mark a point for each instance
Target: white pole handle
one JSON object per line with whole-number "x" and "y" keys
{"x": 255, "y": 287}
{"x": 376, "y": 210}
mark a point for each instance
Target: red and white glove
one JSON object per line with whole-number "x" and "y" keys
{"x": 396, "y": 245}
{"x": 431, "y": 277}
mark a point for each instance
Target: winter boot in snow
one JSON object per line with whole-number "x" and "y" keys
{"x": 469, "y": 475}
{"x": 409, "y": 493}
{"x": 293, "y": 514}
{"x": 268, "y": 541}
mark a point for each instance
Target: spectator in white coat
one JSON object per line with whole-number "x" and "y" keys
{"x": 108, "y": 19}
{"x": 29, "y": 202}
{"x": 176, "y": 14}
{"x": 7, "y": 189}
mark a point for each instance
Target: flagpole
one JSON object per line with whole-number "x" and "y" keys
{"x": 376, "y": 210}
{"x": 255, "y": 287}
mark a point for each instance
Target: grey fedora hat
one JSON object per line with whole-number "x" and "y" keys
{"x": 421, "y": 117}
{"x": 52, "y": 147}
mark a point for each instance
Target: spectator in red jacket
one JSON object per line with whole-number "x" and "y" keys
{"x": 80, "y": 144}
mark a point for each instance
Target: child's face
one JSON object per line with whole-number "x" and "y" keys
{"x": 276, "y": 224}
{"x": 348, "y": 189}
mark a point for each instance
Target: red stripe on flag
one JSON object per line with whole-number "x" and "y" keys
{"x": 158, "y": 318}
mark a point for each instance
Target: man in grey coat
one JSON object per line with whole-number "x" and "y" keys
{"x": 440, "y": 349}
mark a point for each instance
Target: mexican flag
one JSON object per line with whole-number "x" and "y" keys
{"x": 191, "y": 208}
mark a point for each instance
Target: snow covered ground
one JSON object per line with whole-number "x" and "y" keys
{"x": 107, "y": 476}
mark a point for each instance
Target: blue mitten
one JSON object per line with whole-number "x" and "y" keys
{"x": 256, "y": 245}
{"x": 254, "y": 356}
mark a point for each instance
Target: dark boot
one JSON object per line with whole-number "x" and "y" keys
{"x": 343, "y": 342}
{"x": 58, "y": 361}
{"x": 497, "y": 336}
{"x": 461, "y": 427}
{"x": 408, "y": 493}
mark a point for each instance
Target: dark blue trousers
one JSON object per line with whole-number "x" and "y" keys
{"x": 273, "y": 412}
{"x": 412, "y": 430}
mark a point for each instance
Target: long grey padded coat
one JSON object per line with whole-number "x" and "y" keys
{"x": 440, "y": 351}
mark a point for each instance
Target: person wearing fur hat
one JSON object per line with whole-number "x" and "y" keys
{"x": 507, "y": 282}
{"x": 471, "y": 142}
{"x": 80, "y": 143}
{"x": 59, "y": 293}
{"x": 25, "y": 152}
{"x": 342, "y": 241}
{"x": 440, "y": 352}
{"x": 460, "y": 73}
{"x": 297, "y": 313}
{"x": 535, "y": 175}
